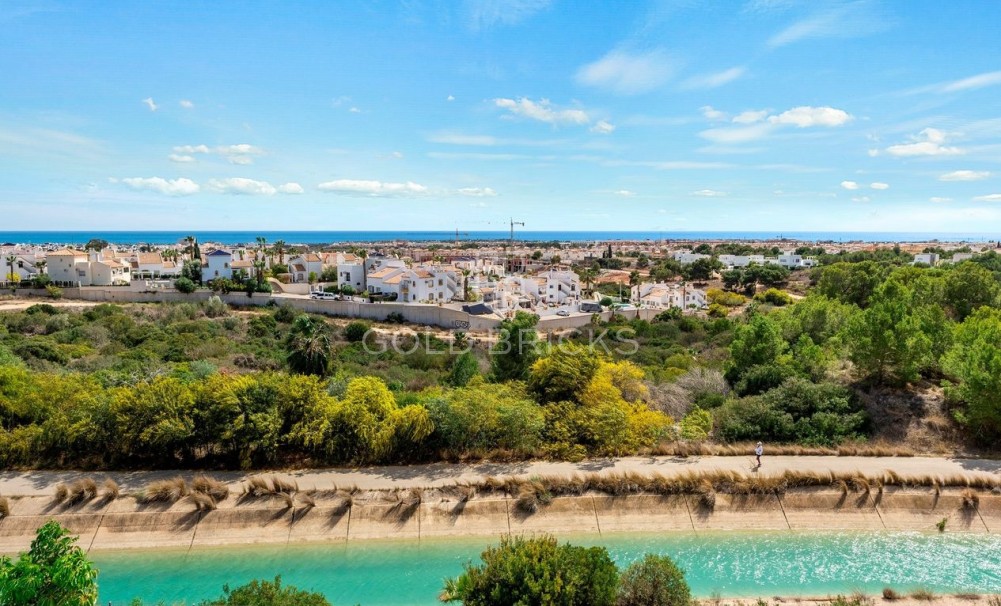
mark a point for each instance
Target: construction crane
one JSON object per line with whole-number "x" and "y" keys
{"x": 513, "y": 223}
{"x": 458, "y": 233}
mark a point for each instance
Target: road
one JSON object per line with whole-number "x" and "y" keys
{"x": 439, "y": 474}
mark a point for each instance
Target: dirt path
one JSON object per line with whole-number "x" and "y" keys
{"x": 23, "y": 304}
{"x": 439, "y": 474}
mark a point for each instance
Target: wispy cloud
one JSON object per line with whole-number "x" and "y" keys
{"x": 484, "y": 14}
{"x": 625, "y": 193}
{"x": 844, "y": 20}
{"x": 476, "y": 192}
{"x": 543, "y": 111}
{"x": 603, "y": 128}
{"x": 628, "y": 73}
{"x": 714, "y": 80}
{"x": 181, "y": 158}
{"x": 709, "y": 193}
{"x": 186, "y": 104}
{"x": 988, "y": 198}
{"x": 168, "y": 187}
{"x": 965, "y": 175}
{"x": 851, "y": 185}
{"x": 929, "y": 142}
{"x": 241, "y": 186}
{"x": 879, "y": 185}
{"x": 291, "y": 188}
{"x": 973, "y": 82}
{"x": 241, "y": 153}
{"x": 754, "y": 125}
{"x": 148, "y": 101}
{"x": 373, "y": 189}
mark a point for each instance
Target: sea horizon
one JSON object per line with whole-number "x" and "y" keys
{"x": 292, "y": 237}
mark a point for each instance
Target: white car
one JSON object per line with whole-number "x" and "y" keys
{"x": 326, "y": 296}
{"x": 563, "y": 313}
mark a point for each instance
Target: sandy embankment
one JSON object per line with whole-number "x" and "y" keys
{"x": 338, "y": 516}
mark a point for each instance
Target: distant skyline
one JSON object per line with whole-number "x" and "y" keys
{"x": 762, "y": 115}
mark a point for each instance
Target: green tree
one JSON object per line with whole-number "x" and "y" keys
{"x": 516, "y": 349}
{"x": 356, "y": 331}
{"x": 852, "y": 282}
{"x": 54, "y": 572}
{"x": 890, "y": 339}
{"x": 654, "y": 581}
{"x": 975, "y": 361}
{"x": 267, "y": 593}
{"x": 969, "y": 286}
{"x": 308, "y": 346}
{"x": 701, "y": 269}
{"x": 759, "y": 342}
{"x": 537, "y": 571}
{"x": 464, "y": 368}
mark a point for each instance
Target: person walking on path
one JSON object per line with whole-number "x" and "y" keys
{"x": 758, "y": 451}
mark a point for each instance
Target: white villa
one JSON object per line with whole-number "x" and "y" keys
{"x": 664, "y": 296}
{"x": 686, "y": 258}
{"x": 301, "y": 266}
{"x": 217, "y": 264}
{"x": 87, "y": 269}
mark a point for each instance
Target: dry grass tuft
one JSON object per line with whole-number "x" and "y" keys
{"x": 287, "y": 498}
{"x": 80, "y": 491}
{"x": 707, "y": 495}
{"x": 202, "y": 501}
{"x": 257, "y": 486}
{"x": 4, "y": 508}
{"x": 164, "y": 491}
{"x": 890, "y": 594}
{"x": 973, "y": 597}
{"x": 62, "y": 493}
{"x": 307, "y": 500}
{"x": 211, "y": 487}
{"x": 923, "y": 595}
{"x": 283, "y": 486}
{"x": 971, "y": 500}
{"x": 111, "y": 490}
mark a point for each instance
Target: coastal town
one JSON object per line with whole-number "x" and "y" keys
{"x": 487, "y": 278}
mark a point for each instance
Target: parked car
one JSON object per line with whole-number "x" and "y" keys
{"x": 326, "y": 296}
{"x": 563, "y": 313}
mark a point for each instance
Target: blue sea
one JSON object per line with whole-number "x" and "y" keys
{"x": 339, "y": 237}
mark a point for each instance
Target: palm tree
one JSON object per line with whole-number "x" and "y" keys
{"x": 259, "y": 267}
{"x": 465, "y": 285}
{"x": 10, "y": 261}
{"x": 363, "y": 254}
{"x": 262, "y": 243}
{"x": 634, "y": 282}
{"x": 308, "y": 346}
{"x": 588, "y": 275}
{"x": 190, "y": 248}
{"x": 279, "y": 249}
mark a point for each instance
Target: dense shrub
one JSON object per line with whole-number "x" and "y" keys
{"x": 653, "y": 581}
{"x": 185, "y": 285}
{"x": 537, "y": 571}
{"x": 355, "y": 331}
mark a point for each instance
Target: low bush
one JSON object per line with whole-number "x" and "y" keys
{"x": 653, "y": 581}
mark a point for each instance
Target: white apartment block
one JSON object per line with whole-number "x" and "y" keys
{"x": 686, "y": 258}
{"x": 664, "y": 296}
{"x": 87, "y": 269}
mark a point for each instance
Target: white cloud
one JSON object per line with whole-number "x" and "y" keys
{"x": 714, "y": 80}
{"x": 712, "y": 113}
{"x": 737, "y": 134}
{"x": 373, "y": 189}
{"x": 460, "y": 139}
{"x": 880, "y": 186}
{"x": 849, "y": 185}
{"x": 847, "y": 20}
{"x": 624, "y": 193}
{"x": 477, "y": 192}
{"x": 861, "y": 199}
{"x": 750, "y": 117}
{"x": 806, "y": 116}
{"x": 186, "y": 104}
{"x": 628, "y": 73}
{"x": 926, "y": 143}
{"x": 241, "y": 186}
{"x": 752, "y": 125}
{"x": 291, "y": 188}
{"x": 709, "y": 193}
{"x": 939, "y": 200}
{"x": 191, "y": 149}
{"x": 354, "y": 110}
{"x": 602, "y": 127}
{"x": 241, "y": 153}
{"x": 151, "y": 104}
{"x": 873, "y": 153}
{"x": 169, "y": 187}
{"x": 450, "y": 98}
{"x": 181, "y": 158}
{"x": 965, "y": 175}
{"x": 488, "y": 13}
{"x": 973, "y": 82}
{"x": 543, "y": 111}
{"x": 988, "y": 198}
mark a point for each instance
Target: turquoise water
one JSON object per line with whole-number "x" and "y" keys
{"x": 733, "y": 564}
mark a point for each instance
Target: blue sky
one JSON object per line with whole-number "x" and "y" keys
{"x": 410, "y": 114}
